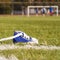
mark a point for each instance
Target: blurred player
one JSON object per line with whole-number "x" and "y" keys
{"x": 51, "y": 11}
{"x": 36, "y": 10}
{"x": 43, "y": 11}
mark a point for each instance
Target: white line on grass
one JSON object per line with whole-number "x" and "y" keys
{"x": 12, "y": 57}
{"x": 9, "y": 47}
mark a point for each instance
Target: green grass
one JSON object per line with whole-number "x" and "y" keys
{"x": 31, "y": 54}
{"x": 45, "y": 28}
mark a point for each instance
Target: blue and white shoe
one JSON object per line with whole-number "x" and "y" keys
{"x": 24, "y": 38}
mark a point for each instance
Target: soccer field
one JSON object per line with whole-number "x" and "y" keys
{"x": 45, "y": 28}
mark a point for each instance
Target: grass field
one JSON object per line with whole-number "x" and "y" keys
{"x": 45, "y": 28}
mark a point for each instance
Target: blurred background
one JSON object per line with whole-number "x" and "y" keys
{"x": 19, "y": 7}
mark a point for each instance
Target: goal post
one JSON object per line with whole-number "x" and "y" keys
{"x": 31, "y": 8}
